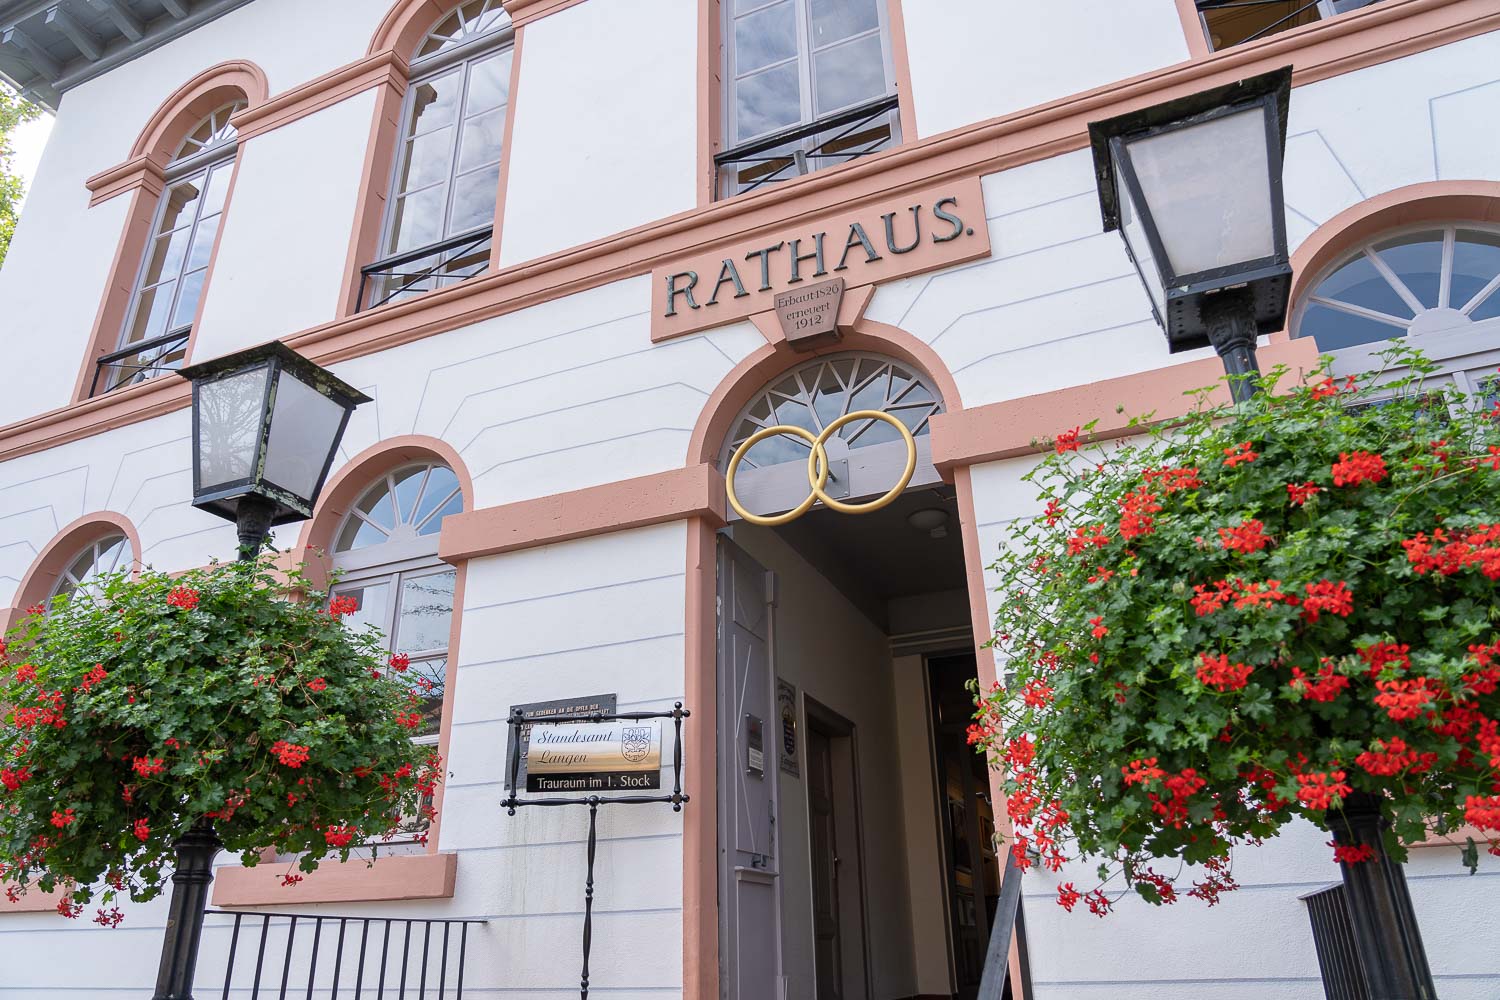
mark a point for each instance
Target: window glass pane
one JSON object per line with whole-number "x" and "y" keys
{"x": 166, "y": 256}
{"x": 1476, "y": 261}
{"x": 767, "y": 36}
{"x": 376, "y": 506}
{"x": 434, "y": 672}
{"x": 419, "y": 219}
{"x": 218, "y": 188}
{"x": 203, "y": 243}
{"x": 767, "y": 101}
{"x": 441, "y": 484}
{"x": 187, "y": 299}
{"x": 474, "y": 199}
{"x": 833, "y": 20}
{"x": 1332, "y": 329}
{"x": 303, "y": 425}
{"x": 426, "y": 612}
{"x": 1488, "y": 309}
{"x": 1418, "y": 261}
{"x": 1359, "y": 283}
{"x": 181, "y": 204}
{"x": 454, "y": 505}
{"x": 151, "y": 313}
{"x": 848, "y": 74}
{"x": 434, "y": 102}
{"x": 427, "y": 158}
{"x": 374, "y": 601}
{"x": 408, "y": 486}
{"x": 229, "y": 426}
{"x": 358, "y": 534}
{"x": 482, "y": 137}
{"x": 489, "y": 83}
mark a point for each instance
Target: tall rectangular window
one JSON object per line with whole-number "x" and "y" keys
{"x": 808, "y": 84}
{"x": 1234, "y": 22}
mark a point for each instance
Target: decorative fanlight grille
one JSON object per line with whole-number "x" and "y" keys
{"x": 211, "y": 132}
{"x": 107, "y": 555}
{"x": 404, "y": 504}
{"x": 819, "y": 392}
{"x": 469, "y": 20}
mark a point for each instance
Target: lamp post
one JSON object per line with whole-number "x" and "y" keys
{"x": 266, "y": 426}
{"x": 1194, "y": 187}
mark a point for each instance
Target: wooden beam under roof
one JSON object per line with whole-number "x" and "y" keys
{"x": 130, "y": 26}
{"x": 32, "y": 51}
{"x": 177, "y": 8}
{"x": 84, "y": 40}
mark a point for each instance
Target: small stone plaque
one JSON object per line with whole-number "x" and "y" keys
{"x": 809, "y": 316}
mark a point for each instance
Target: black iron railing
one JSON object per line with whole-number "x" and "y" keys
{"x": 1299, "y": 14}
{"x": 140, "y": 361}
{"x": 364, "y": 958}
{"x": 857, "y": 131}
{"x": 1333, "y": 935}
{"x": 423, "y": 269}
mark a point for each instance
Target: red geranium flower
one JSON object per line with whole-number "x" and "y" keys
{"x": 1354, "y": 468}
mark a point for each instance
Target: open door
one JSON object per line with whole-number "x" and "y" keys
{"x": 749, "y": 910}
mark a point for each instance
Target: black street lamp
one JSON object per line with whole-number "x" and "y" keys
{"x": 266, "y": 426}
{"x": 1194, "y": 187}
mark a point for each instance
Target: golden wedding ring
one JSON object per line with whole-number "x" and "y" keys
{"x": 817, "y": 469}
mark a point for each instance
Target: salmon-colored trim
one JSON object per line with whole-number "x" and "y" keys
{"x": 137, "y": 172}
{"x": 190, "y": 103}
{"x": 142, "y": 173}
{"x": 1192, "y": 29}
{"x": 375, "y": 70}
{"x": 33, "y": 901}
{"x": 405, "y": 24}
{"x": 735, "y": 391}
{"x": 710, "y": 96}
{"x": 506, "y": 145}
{"x": 1348, "y": 42}
{"x": 1455, "y": 838}
{"x": 375, "y": 187}
{"x": 348, "y": 484}
{"x": 984, "y": 664}
{"x": 700, "y": 825}
{"x": 525, "y": 11}
{"x": 109, "y": 319}
{"x": 696, "y": 491}
{"x": 39, "y": 579}
{"x": 389, "y": 877}
{"x": 1431, "y": 201}
{"x": 1023, "y": 426}
{"x": 901, "y": 67}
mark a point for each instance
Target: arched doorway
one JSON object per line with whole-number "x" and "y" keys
{"x": 856, "y": 833}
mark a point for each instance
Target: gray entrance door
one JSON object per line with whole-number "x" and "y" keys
{"x": 749, "y": 912}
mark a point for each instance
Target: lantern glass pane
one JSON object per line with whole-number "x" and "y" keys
{"x": 229, "y": 427}
{"x": 304, "y": 430}
{"x": 1140, "y": 247}
{"x": 1208, "y": 190}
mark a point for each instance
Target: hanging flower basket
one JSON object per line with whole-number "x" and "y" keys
{"x": 138, "y": 708}
{"x": 1249, "y": 616}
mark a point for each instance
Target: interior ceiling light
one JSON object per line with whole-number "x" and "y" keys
{"x": 932, "y": 520}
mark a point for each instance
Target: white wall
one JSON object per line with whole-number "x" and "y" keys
{"x": 1058, "y": 303}
{"x": 977, "y": 59}
{"x": 835, "y": 655}
{"x": 55, "y": 273}
{"x": 285, "y": 242}
{"x": 605, "y": 135}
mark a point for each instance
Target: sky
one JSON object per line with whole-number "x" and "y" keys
{"x": 28, "y": 141}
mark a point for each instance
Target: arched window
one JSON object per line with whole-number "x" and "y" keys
{"x": 386, "y": 552}
{"x": 1437, "y": 285}
{"x": 109, "y": 554}
{"x": 866, "y": 456}
{"x": 441, "y": 214}
{"x": 170, "y": 283}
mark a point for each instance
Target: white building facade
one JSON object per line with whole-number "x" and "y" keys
{"x": 507, "y": 224}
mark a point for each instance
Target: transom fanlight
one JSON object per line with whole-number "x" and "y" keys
{"x": 405, "y": 504}
{"x": 467, "y": 21}
{"x": 1437, "y": 280}
{"x": 819, "y": 392}
{"x": 106, "y": 555}
{"x": 211, "y": 132}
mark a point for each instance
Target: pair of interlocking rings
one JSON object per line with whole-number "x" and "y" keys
{"x": 817, "y": 469}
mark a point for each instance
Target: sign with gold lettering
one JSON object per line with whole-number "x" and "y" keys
{"x": 876, "y": 242}
{"x": 622, "y": 755}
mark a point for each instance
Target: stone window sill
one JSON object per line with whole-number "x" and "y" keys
{"x": 393, "y": 877}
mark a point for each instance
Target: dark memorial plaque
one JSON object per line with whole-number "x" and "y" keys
{"x": 539, "y": 711}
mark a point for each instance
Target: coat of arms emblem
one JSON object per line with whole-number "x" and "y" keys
{"x": 635, "y": 743}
